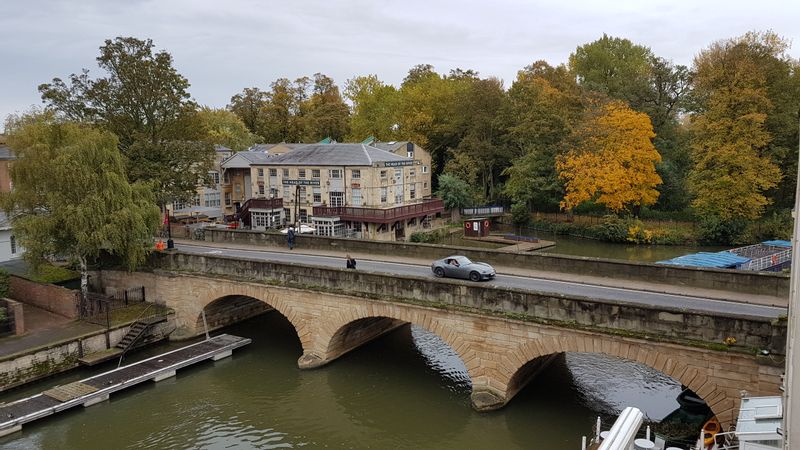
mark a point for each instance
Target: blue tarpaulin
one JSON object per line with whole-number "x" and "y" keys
{"x": 786, "y": 244}
{"x": 719, "y": 260}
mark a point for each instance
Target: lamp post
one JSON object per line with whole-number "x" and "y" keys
{"x": 170, "y": 242}
{"x": 791, "y": 379}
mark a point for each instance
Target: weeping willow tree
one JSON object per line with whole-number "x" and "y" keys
{"x": 72, "y": 197}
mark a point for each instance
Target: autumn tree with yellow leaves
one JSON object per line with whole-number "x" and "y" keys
{"x": 611, "y": 160}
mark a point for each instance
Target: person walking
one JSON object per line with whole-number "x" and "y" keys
{"x": 290, "y": 238}
{"x": 351, "y": 262}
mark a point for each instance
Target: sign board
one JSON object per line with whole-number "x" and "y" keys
{"x": 398, "y": 163}
{"x": 288, "y": 182}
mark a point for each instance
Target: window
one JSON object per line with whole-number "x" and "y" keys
{"x": 287, "y": 193}
{"x": 424, "y": 169}
{"x": 303, "y": 215}
{"x": 13, "y": 245}
{"x": 227, "y": 177}
{"x": 260, "y": 189}
{"x": 214, "y": 177}
{"x": 383, "y": 194}
{"x": 412, "y": 172}
{"x": 301, "y": 193}
{"x": 356, "y": 197}
{"x": 383, "y": 175}
{"x": 317, "y": 195}
{"x": 237, "y": 188}
{"x": 285, "y": 173}
{"x": 260, "y": 172}
{"x": 273, "y": 192}
{"x": 425, "y": 185}
{"x": 211, "y": 199}
{"x": 227, "y": 199}
{"x": 412, "y": 193}
{"x": 335, "y": 173}
{"x": 196, "y": 200}
{"x": 273, "y": 172}
{"x": 336, "y": 199}
{"x": 301, "y": 173}
{"x": 355, "y": 174}
{"x": 314, "y": 173}
{"x": 398, "y": 194}
{"x": 410, "y": 153}
{"x": 287, "y": 213}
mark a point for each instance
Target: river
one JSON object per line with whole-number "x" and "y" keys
{"x": 404, "y": 390}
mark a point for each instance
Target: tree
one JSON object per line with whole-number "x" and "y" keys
{"x": 326, "y": 113}
{"x": 144, "y": 101}
{"x": 72, "y": 197}
{"x": 730, "y": 146}
{"x": 543, "y": 104}
{"x": 614, "y": 66}
{"x": 454, "y": 191}
{"x": 225, "y": 128}
{"x": 250, "y": 106}
{"x": 611, "y": 160}
{"x": 374, "y": 108}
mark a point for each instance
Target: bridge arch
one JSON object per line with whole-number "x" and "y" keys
{"x": 348, "y": 329}
{"x": 236, "y": 302}
{"x": 524, "y": 360}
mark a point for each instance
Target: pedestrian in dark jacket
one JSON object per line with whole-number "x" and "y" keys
{"x": 290, "y": 238}
{"x": 351, "y": 262}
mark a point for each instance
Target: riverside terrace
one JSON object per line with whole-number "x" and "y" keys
{"x": 504, "y": 336}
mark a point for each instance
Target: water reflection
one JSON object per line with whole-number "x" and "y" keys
{"x": 407, "y": 389}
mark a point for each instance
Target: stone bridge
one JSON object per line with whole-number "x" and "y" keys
{"x": 504, "y": 337}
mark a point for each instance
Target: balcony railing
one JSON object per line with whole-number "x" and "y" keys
{"x": 381, "y": 215}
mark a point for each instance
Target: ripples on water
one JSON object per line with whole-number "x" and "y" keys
{"x": 405, "y": 390}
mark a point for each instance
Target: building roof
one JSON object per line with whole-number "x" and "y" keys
{"x": 334, "y": 155}
{"x": 222, "y": 149}
{"x": 721, "y": 260}
{"x": 243, "y": 160}
{"x": 265, "y": 148}
{"x": 6, "y": 153}
{"x": 389, "y": 146}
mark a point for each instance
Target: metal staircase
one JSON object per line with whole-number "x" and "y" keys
{"x": 139, "y": 329}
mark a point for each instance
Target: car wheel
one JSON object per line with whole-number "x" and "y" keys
{"x": 439, "y": 272}
{"x": 475, "y": 276}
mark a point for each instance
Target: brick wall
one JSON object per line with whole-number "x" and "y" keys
{"x": 56, "y": 299}
{"x": 14, "y": 315}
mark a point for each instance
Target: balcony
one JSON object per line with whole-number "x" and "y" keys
{"x": 381, "y": 215}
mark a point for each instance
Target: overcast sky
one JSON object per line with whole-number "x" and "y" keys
{"x": 225, "y": 46}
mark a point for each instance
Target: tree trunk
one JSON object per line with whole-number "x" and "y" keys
{"x": 84, "y": 279}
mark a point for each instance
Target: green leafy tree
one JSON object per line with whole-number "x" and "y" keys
{"x": 145, "y": 102}
{"x": 732, "y": 168}
{"x": 374, "y": 108}
{"x": 454, "y": 191}
{"x": 250, "y": 106}
{"x": 543, "y": 105}
{"x": 223, "y": 127}
{"x": 325, "y": 112}
{"x": 72, "y": 197}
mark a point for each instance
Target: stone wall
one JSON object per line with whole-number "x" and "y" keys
{"x": 51, "y": 359}
{"x": 663, "y": 323}
{"x": 757, "y": 283}
{"x": 56, "y": 299}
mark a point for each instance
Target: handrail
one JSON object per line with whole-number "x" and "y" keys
{"x": 137, "y": 337}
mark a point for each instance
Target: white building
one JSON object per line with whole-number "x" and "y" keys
{"x": 9, "y": 248}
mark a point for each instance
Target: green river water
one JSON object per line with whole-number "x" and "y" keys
{"x": 404, "y": 390}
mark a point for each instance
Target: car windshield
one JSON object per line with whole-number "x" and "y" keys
{"x": 462, "y": 260}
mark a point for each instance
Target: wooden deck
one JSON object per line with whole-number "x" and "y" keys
{"x": 513, "y": 246}
{"x": 96, "y": 389}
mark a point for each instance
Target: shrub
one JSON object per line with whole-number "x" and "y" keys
{"x": 714, "y": 230}
{"x": 520, "y": 214}
{"x": 4, "y": 283}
